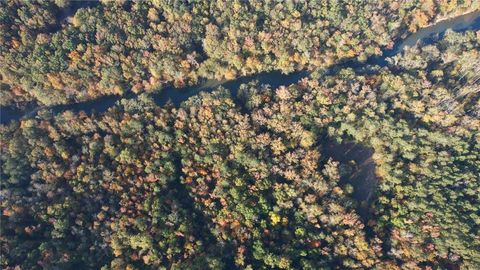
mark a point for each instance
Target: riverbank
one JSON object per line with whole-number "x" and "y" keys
{"x": 274, "y": 78}
{"x": 470, "y": 11}
{"x": 458, "y": 23}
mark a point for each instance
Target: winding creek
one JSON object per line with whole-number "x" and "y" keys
{"x": 274, "y": 78}
{"x": 363, "y": 179}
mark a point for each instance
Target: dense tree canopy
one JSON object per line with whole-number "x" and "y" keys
{"x": 245, "y": 182}
{"x": 56, "y": 52}
{"x": 365, "y": 166}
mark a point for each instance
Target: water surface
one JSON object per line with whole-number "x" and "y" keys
{"x": 274, "y": 78}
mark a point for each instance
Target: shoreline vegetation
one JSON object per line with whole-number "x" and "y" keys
{"x": 472, "y": 16}
{"x": 452, "y": 16}
{"x": 372, "y": 164}
{"x": 45, "y": 67}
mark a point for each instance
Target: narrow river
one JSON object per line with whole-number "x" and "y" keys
{"x": 363, "y": 178}
{"x": 274, "y": 79}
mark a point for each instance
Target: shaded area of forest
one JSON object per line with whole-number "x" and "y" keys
{"x": 362, "y": 172}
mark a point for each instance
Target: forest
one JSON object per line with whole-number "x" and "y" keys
{"x": 243, "y": 179}
{"x": 52, "y": 57}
